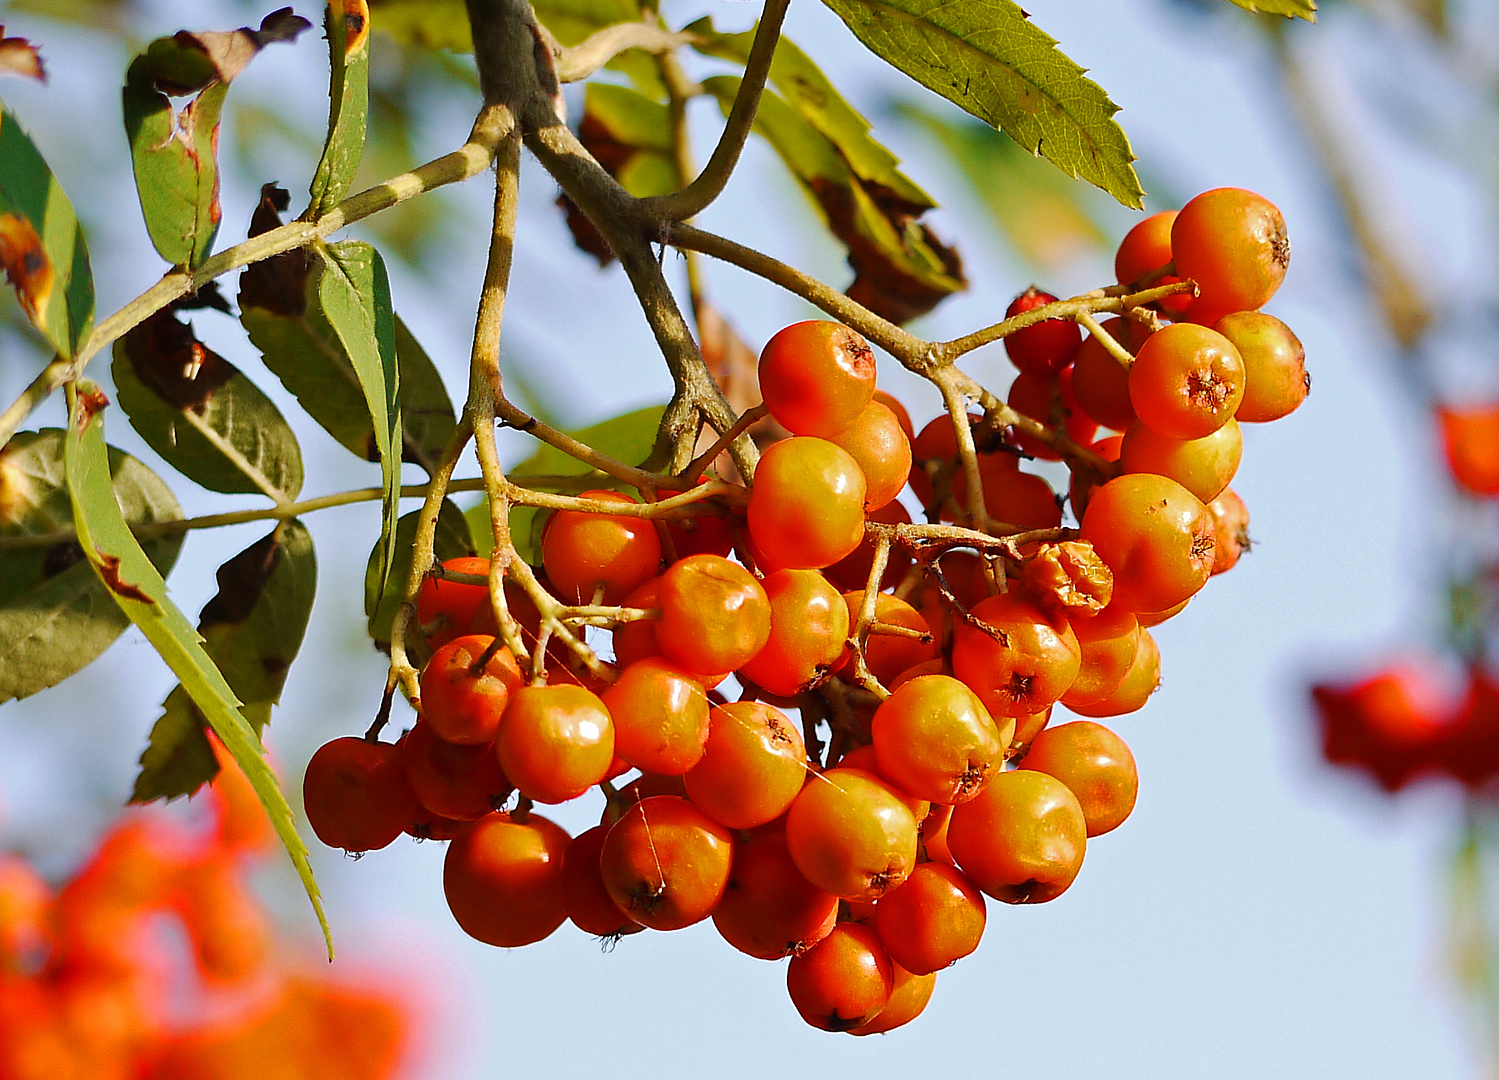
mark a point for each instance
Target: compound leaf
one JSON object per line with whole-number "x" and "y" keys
{"x": 41, "y": 244}
{"x": 55, "y": 615}
{"x": 175, "y": 153}
{"x": 348, "y": 26}
{"x": 134, "y": 583}
{"x": 251, "y": 629}
{"x": 203, "y": 415}
{"x": 986, "y": 57}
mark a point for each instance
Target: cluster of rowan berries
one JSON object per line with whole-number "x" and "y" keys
{"x": 932, "y": 653}
{"x": 94, "y": 981}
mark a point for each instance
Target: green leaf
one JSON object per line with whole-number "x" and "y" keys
{"x": 570, "y": 21}
{"x": 201, "y": 414}
{"x": 452, "y": 540}
{"x": 252, "y": 629}
{"x": 175, "y": 154}
{"x": 1291, "y": 9}
{"x": 348, "y": 25}
{"x": 807, "y": 90}
{"x": 135, "y": 585}
{"x": 427, "y": 417}
{"x": 1046, "y": 218}
{"x": 55, "y": 615}
{"x": 434, "y": 24}
{"x": 41, "y": 245}
{"x": 355, "y": 296}
{"x": 631, "y": 135}
{"x": 629, "y": 437}
{"x": 901, "y": 269}
{"x": 281, "y": 305}
{"x": 986, "y": 57}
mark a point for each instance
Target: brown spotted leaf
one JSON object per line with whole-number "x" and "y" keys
{"x": 348, "y": 30}
{"x": 20, "y": 57}
{"x": 103, "y": 532}
{"x": 55, "y": 615}
{"x": 201, "y": 414}
{"x": 174, "y": 152}
{"x": 42, "y": 252}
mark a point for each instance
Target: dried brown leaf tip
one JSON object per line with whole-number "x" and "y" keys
{"x": 187, "y": 62}
{"x": 26, "y": 265}
{"x": 356, "y": 24}
{"x": 20, "y": 57}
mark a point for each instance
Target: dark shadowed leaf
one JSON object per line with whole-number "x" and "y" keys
{"x": 20, "y": 57}
{"x": 988, "y": 58}
{"x": 41, "y": 246}
{"x": 452, "y": 540}
{"x": 138, "y": 588}
{"x": 1291, "y": 9}
{"x": 55, "y": 615}
{"x": 901, "y": 269}
{"x": 175, "y": 152}
{"x": 629, "y": 438}
{"x": 252, "y": 629}
{"x": 348, "y": 26}
{"x": 1048, "y": 219}
{"x": 806, "y": 89}
{"x": 201, "y": 414}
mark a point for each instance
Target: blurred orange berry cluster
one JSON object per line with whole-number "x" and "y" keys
{"x": 155, "y": 961}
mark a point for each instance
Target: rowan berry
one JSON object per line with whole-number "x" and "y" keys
{"x": 1233, "y": 244}
{"x": 504, "y": 882}
{"x": 1275, "y": 378}
{"x": 851, "y": 835}
{"x": 1186, "y": 381}
{"x": 1096, "y": 766}
{"x": 808, "y": 629}
{"x": 1046, "y": 347}
{"x": 355, "y": 794}
{"x": 1021, "y": 660}
{"x": 753, "y": 766}
{"x": 816, "y": 376}
{"x": 714, "y": 615}
{"x": 806, "y": 509}
{"x": 875, "y": 441}
{"x": 1022, "y": 839}
{"x": 461, "y": 705}
{"x": 934, "y": 739}
{"x": 1155, "y": 535}
{"x": 584, "y": 552}
{"x": 843, "y": 981}
{"x": 665, "y": 863}
{"x": 1203, "y": 466}
{"x": 556, "y": 742}
{"x": 660, "y": 715}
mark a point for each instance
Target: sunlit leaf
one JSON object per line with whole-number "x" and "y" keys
{"x": 1291, "y": 9}
{"x": 134, "y": 583}
{"x": 986, "y": 57}
{"x": 1049, "y": 219}
{"x": 201, "y": 414}
{"x": 452, "y": 540}
{"x": 175, "y": 152}
{"x": 901, "y": 269}
{"x": 55, "y": 615}
{"x": 252, "y": 629}
{"x": 803, "y": 86}
{"x": 435, "y": 24}
{"x": 41, "y": 245}
{"x": 348, "y": 27}
{"x": 355, "y": 297}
